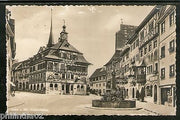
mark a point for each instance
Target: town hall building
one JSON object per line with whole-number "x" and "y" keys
{"x": 58, "y": 68}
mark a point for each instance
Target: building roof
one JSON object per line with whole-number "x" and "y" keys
{"x": 16, "y": 65}
{"x": 98, "y": 72}
{"x": 142, "y": 24}
{"x": 64, "y": 45}
{"x": 81, "y": 59}
{"x": 116, "y": 56}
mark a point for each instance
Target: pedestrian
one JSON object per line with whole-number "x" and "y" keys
{"x": 137, "y": 94}
{"x": 142, "y": 94}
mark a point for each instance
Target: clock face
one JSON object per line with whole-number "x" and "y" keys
{"x": 64, "y": 36}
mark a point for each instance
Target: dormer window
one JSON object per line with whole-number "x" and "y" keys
{"x": 67, "y": 45}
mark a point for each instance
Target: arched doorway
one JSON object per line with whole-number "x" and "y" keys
{"x": 155, "y": 93}
{"x": 133, "y": 93}
{"x": 34, "y": 87}
{"x": 31, "y": 87}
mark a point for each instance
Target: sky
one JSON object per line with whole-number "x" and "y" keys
{"x": 91, "y": 29}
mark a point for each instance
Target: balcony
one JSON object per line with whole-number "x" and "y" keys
{"x": 141, "y": 78}
{"x": 171, "y": 49}
{"x": 150, "y": 36}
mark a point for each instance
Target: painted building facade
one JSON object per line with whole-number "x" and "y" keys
{"x": 58, "y": 68}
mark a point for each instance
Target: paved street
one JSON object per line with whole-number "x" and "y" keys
{"x": 64, "y": 104}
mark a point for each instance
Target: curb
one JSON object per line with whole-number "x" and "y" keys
{"x": 151, "y": 111}
{"x": 114, "y": 108}
{"x": 15, "y": 105}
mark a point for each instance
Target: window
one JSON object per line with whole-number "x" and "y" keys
{"x": 141, "y": 53}
{"x": 150, "y": 47}
{"x": 50, "y": 66}
{"x": 171, "y": 46}
{"x": 72, "y": 76}
{"x": 145, "y": 50}
{"x": 151, "y": 27}
{"x": 155, "y": 43}
{"x": 162, "y": 73}
{"x": 163, "y": 52}
{"x": 137, "y": 42}
{"x": 171, "y": 71}
{"x": 156, "y": 67}
{"x": 62, "y": 87}
{"x": 56, "y": 86}
{"x": 134, "y": 45}
{"x": 171, "y": 19}
{"x": 142, "y": 35}
{"x": 51, "y": 86}
{"x": 162, "y": 27}
{"x": 63, "y": 76}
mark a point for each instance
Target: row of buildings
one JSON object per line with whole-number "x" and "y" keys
{"x": 144, "y": 61}
{"x": 58, "y": 68}
{"x": 11, "y": 48}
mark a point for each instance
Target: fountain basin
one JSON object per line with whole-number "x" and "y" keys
{"x": 116, "y": 104}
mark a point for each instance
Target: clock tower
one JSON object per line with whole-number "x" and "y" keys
{"x": 63, "y": 34}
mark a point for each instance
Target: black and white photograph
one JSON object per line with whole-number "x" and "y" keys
{"x": 91, "y": 60}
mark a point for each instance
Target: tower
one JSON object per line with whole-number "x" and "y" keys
{"x": 63, "y": 34}
{"x": 51, "y": 40}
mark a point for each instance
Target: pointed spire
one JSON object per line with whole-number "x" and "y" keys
{"x": 51, "y": 41}
{"x": 64, "y": 26}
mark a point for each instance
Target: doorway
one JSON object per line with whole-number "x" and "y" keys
{"x": 67, "y": 88}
